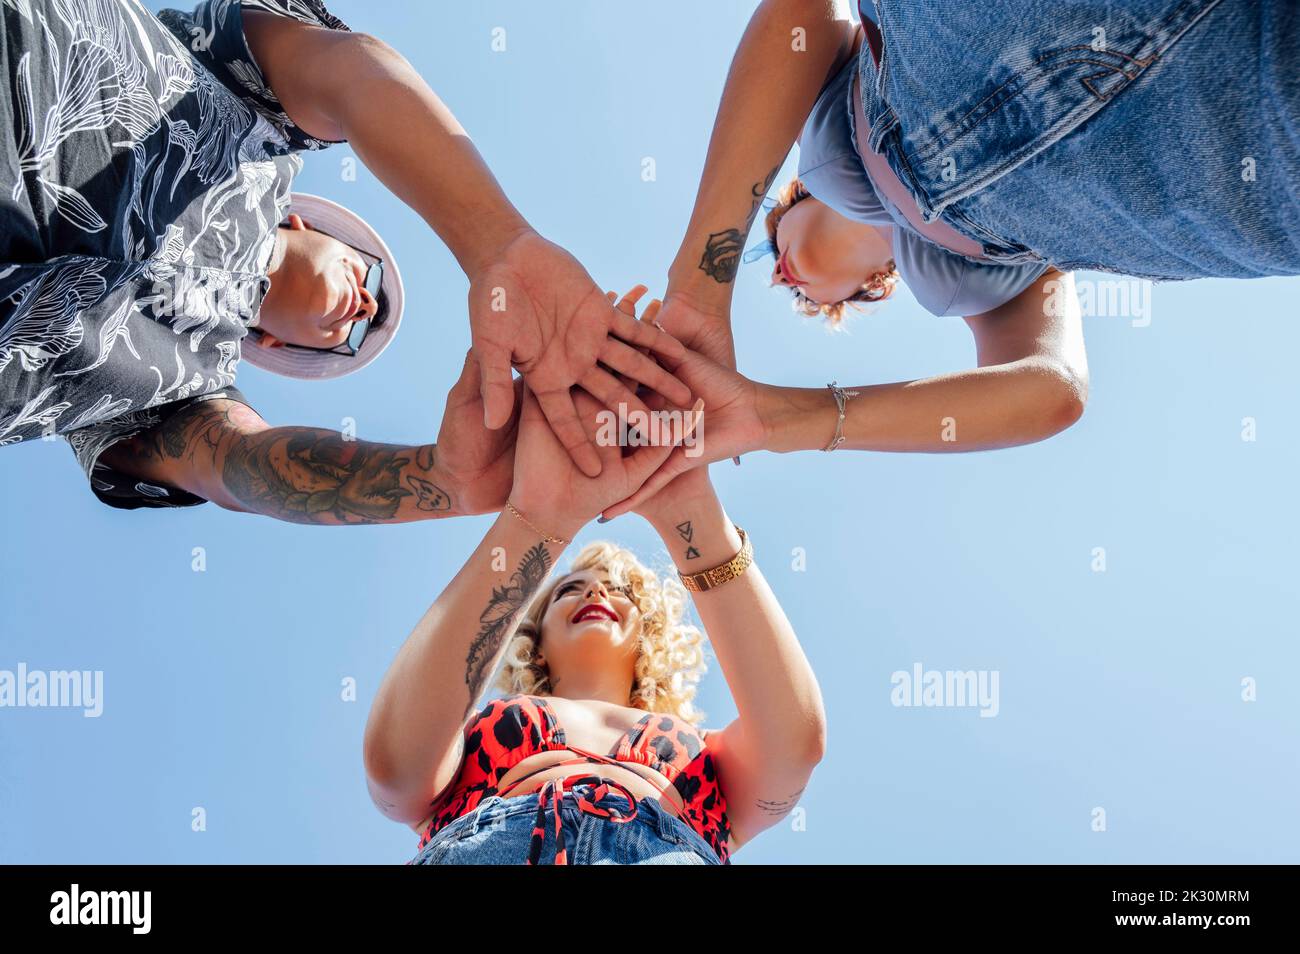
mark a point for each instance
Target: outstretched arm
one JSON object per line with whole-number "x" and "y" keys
{"x": 532, "y": 305}
{"x": 766, "y": 755}
{"x": 412, "y": 738}
{"x": 222, "y": 450}
{"x": 413, "y": 743}
{"x": 351, "y": 86}
{"x": 788, "y": 52}
{"x": 1031, "y": 383}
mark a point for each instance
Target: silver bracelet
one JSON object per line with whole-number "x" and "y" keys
{"x": 841, "y": 398}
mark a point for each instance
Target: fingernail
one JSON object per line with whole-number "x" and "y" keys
{"x": 736, "y": 461}
{"x": 602, "y": 519}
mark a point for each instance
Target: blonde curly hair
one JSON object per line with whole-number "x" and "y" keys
{"x": 875, "y": 287}
{"x": 670, "y": 654}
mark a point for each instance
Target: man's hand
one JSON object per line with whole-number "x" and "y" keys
{"x": 479, "y": 462}
{"x": 536, "y": 308}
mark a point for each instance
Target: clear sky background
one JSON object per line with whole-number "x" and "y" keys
{"x": 1119, "y": 690}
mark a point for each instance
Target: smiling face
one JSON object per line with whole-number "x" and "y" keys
{"x": 317, "y": 290}
{"x": 590, "y": 621}
{"x": 650, "y": 659}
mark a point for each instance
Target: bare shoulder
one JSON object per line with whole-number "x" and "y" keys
{"x": 306, "y": 66}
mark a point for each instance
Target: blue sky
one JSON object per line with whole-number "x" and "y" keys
{"x": 1119, "y": 690}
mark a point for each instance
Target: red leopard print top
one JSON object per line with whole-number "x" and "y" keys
{"x": 507, "y": 731}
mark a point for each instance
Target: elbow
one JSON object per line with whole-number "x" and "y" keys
{"x": 1056, "y": 400}
{"x": 814, "y": 743}
{"x": 816, "y": 750}
{"x": 382, "y": 764}
{"x": 385, "y": 771}
{"x": 1070, "y": 397}
{"x": 379, "y": 767}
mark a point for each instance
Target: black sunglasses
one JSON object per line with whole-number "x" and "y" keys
{"x": 373, "y": 284}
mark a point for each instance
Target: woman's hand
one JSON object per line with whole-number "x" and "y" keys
{"x": 552, "y": 492}
{"x": 701, "y": 329}
{"x": 692, "y": 485}
{"x": 731, "y": 426}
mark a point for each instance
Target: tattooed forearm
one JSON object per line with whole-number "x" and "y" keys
{"x": 721, "y": 259}
{"x": 780, "y": 806}
{"x": 306, "y": 475}
{"x": 299, "y": 474}
{"x": 498, "y": 619}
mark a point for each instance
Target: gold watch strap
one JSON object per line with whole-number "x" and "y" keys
{"x": 716, "y": 576}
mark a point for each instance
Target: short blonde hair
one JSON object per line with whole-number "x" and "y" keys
{"x": 670, "y": 656}
{"x": 877, "y": 287}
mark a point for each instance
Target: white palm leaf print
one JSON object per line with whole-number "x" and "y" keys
{"x": 173, "y": 244}
{"x": 180, "y": 133}
{"x": 180, "y": 389}
{"x": 72, "y": 205}
{"x": 101, "y": 410}
{"x": 22, "y": 6}
{"x": 99, "y": 83}
{"x": 47, "y": 322}
{"x": 116, "y": 328}
{"x": 32, "y": 415}
{"x": 222, "y": 118}
{"x": 227, "y": 362}
{"x": 177, "y": 76}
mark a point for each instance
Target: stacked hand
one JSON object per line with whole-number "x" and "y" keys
{"x": 541, "y": 465}
{"x": 732, "y": 425}
{"x": 704, "y": 330}
{"x": 551, "y": 491}
{"x": 479, "y": 462}
{"x": 537, "y": 310}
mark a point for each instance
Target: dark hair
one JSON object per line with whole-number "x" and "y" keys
{"x": 877, "y": 287}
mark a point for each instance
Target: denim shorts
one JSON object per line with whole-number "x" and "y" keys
{"x": 1153, "y": 138}
{"x": 499, "y": 831}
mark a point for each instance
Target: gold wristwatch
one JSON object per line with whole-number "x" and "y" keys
{"x": 716, "y": 576}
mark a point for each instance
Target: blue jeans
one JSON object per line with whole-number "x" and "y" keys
{"x": 499, "y": 831}
{"x": 1153, "y": 138}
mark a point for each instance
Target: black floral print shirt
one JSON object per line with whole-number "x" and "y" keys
{"x": 146, "y": 165}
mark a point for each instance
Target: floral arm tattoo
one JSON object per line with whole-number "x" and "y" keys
{"x": 498, "y": 619}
